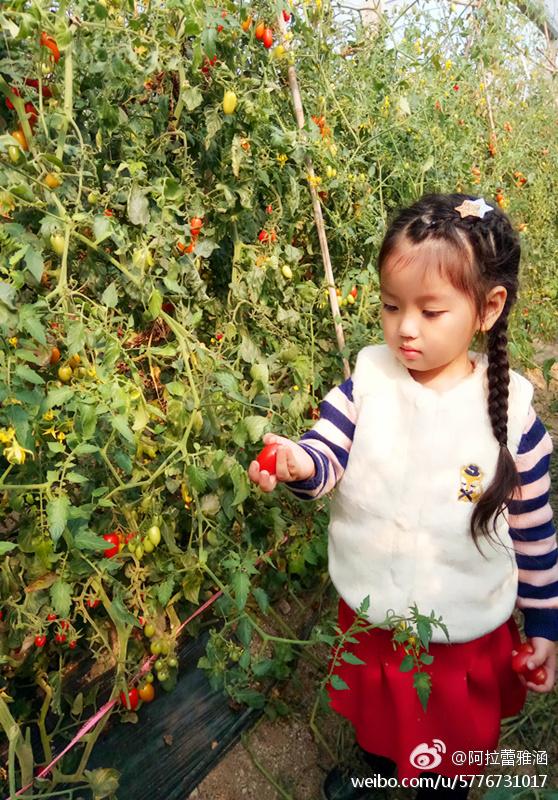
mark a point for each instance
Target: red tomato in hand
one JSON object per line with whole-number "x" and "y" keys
{"x": 519, "y": 660}
{"x": 268, "y": 457}
{"x": 133, "y": 698}
{"x": 537, "y": 676}
{"x": 114, "y": 539}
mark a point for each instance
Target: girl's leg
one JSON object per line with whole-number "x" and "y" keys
{"x": 443, "y": 792}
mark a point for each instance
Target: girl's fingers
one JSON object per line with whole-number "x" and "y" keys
{"x": 267, "y": 482}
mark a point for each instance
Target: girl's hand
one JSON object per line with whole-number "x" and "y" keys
{"x": 544, "y": 656}
{"x": 293, "y": 464}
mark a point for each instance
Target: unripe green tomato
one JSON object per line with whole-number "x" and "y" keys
{"x": 287, "y": 271}
{"x": 149, "y": 630}
{"x": 14, "y": 153}
{"x": 139, "y": 552}
{"x": 57, "y": 243}
{"x": 154, "y": 535}
{"x": 132, "y": 544}
{"x": 92, "y": 198}
{"x": 148, "y": 546}
{"x": 159, "y": 664}
{"x": 165, "y": 649}
{"x": 149, "y": 677}
{"x": 155, "y": 647}
{"x": 65, "y": 374}
{"x": 197, "y": 420}
{"x": 163, "y": 675}
{"x": 173, "y": 663}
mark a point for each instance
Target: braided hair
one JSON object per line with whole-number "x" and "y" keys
{"x": 479, "y": 254}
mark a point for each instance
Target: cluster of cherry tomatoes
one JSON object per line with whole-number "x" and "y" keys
{"x": 145, "y": 693}
{"x": 267, "y": 236}
{"x": 60, "y": 635}
{"x": 137, "y": 545}
{"x": 161, "y": 647}
{"x": 196, "y": 224}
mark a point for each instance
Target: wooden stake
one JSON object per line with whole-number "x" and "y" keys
{"x": 318, "y": 217}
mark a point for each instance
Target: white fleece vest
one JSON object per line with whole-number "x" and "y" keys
{"x": 400, "y": 515}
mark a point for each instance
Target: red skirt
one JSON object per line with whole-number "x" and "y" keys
{"x": 473, "y": 687}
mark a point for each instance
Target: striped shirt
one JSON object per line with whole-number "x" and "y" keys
{"x": 530, "y": 518}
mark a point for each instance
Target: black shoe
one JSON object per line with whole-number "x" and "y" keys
{"x": 338, "y": 786}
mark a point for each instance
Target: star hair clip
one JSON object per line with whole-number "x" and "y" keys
{"x": 474, "y": 208}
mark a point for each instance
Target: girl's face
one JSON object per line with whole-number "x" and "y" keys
{"x": 423, "y": 312}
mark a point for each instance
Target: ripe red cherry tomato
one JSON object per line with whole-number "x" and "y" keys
{"x": 267, "y": 459}
{"x": 60, "y": 638}
{"x": 286, "y": 15}
{"x": 133, "y": 697}
{"x": 519, "y": 661}
{"x": 267, "y": 38}
{"x": 40, "y": 641}
{"x": 115, "y": 541}
{"x": 537, "y": 676}
{"x": 196, "y": 225}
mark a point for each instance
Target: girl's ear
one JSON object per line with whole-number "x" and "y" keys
{"x": 495, "y": 301}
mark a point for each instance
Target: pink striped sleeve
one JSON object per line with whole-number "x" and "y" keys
{"x": 533, "y": 533}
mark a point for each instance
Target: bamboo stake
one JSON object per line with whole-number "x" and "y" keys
{"x": 318, "y": 217}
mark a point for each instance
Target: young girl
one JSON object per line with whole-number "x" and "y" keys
{"x": 440, "y": 468}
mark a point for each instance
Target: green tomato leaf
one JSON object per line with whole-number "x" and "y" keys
{"x": 350, "y": 658}
{"x": 338, "y": 683}
{"x": 240, "y": 583}
{"x": 57, "y": 515}
{"x": 61, "y": 597}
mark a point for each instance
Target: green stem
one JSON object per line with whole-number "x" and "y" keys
{"x": 68, "y": 99}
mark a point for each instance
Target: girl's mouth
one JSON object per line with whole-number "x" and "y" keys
{"x": 409, "y": 353}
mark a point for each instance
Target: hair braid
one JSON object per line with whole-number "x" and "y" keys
{"x": 499, "y": 377}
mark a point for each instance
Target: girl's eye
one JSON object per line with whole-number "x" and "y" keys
{"x": 429, "y": 314}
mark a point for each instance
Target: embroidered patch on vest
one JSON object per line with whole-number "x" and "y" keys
{"x": 471, "y": 488}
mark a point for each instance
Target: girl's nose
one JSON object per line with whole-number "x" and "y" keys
{"x": 408, "y": 327}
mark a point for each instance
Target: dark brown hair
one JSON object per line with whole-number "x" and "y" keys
{"x": 476, "y": 254}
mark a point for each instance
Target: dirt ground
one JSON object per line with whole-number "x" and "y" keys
{"x": 281, "y": 759}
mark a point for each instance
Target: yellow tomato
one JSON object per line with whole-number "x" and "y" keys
{"x": 229, "y": 102}
{"x": 52, "y": 180}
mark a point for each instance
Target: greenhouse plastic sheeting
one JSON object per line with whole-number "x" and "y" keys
{"x": 200, "y": 721}
{"x": 194, "y": 715}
